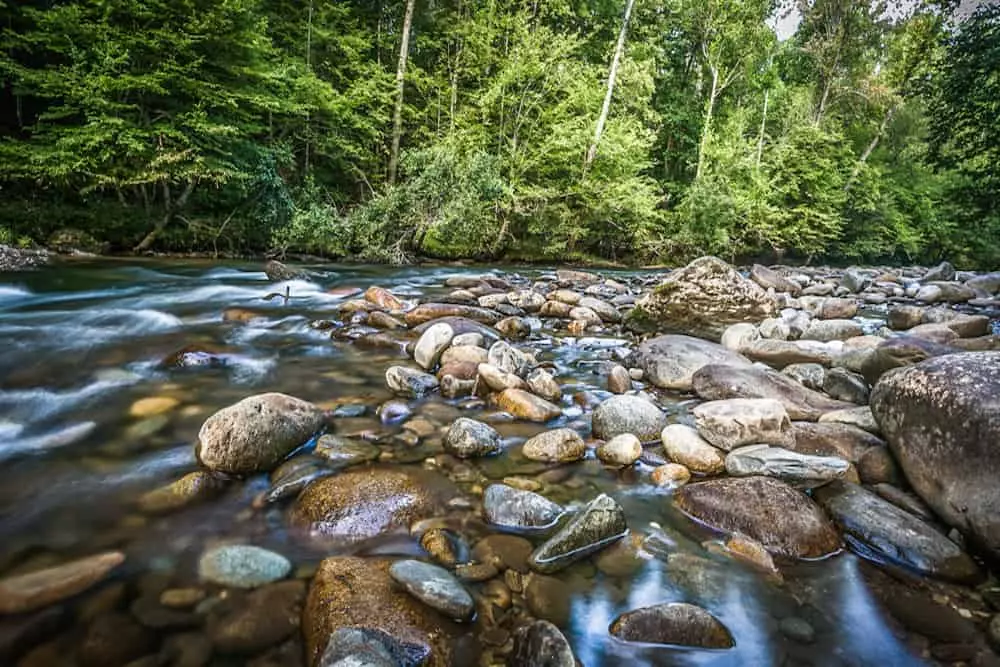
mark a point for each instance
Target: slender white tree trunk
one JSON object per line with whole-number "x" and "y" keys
{"x": 763, "y": 126}
{"x": 603, "y": 118}
{"x": 397, "y": 114}
{"x": 707, "y": 129}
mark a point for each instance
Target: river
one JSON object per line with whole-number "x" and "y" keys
{"x": 82, "y": 341}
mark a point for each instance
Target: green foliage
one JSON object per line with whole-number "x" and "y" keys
{"x": 243, "y": 126}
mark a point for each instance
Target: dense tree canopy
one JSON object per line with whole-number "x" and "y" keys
{"x": 632, "y": 130}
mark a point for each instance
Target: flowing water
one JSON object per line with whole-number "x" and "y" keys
{"x": 82, "y": 341}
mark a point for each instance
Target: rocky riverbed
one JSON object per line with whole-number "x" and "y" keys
{"x": 346, "y": 466}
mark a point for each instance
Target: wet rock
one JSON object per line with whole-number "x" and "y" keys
{"x": 278, "y": 272}
{"x": 528, "y": 300}
{"x": 498, "y": 380}
{"x": 942, "y": 421}
{"x": 452, "y": 387}
{"x": 556, "y": 309}
{"x": 392, "y": 412}
{"x": 769, "y": 278}
{"x": 152, "y": 406}
{"x": 349, "y": 590}
{"x": 381, "y": 320}
{"x": 621, "y": 450}
{"x": 563, "y": 445}
{"x": 799, "y": 470}
{"x": 508, "y": 358}
{"x": 598, "y": 524}
{"x": 265, "y": 617}
{"x": 186, "y": 649}
{"x": 504, "y": 552}
{"x": 894, "y": 534}
{"x": 786, "y": 521}
{"x": 355, "y": 506}
{"x": 383, "y": 298}
{"x": 114, "y": 639}
{"x": 181, "y": 598}
{"x": 731, "y": 423}
{"x": 905, "y": 317}
{"x": 718, "y": 382}
{"x": 702, "y": 299}
{"x": 193, "y": 488}
{"x": 797, "y": 629}
{"x": 426, "y": 312}
{"x": 367, "y": 647}
{"x": 468, "y": 438}
{"x": 470, "y": 340}
{"x": 21, "y": 593}
{"x": 514, "y": 327}
{"x": 461, "y": 326}
{"x": 844, "y": 385}
{"x": 685, "y": 446}
{"x": 409, "y": 381}
{"x": 548, "y": 598}
{"x": 628, "y": 414}
{"x": 292, "y": 476}
{"x": 431, "y": 344}
{"x": 444, "y": 547}
{"x": 541, "y": 383}
{"x": 753, "y": 553}
{"x": 670, "y": 362}
{"x": 604, "y": 310}
{"x": 855, "y": 280}
{"x": 463, "y": 354}
{"x": 619, "y": 380}
{"x": 828, "y": 330}
{"x": 511, "y": 508}
{"x": 541, "y": 644}
{"x": 343, "y": 453}
{"x": 670, "y": 474}
{"x": 256, "y": 433}
{"x": 242, "y": 566}
{"x": 19, "y": 635}
{"x": 435, "y": 587}
{"x": 529, "y": 407}
{"x": 676, "y": 623}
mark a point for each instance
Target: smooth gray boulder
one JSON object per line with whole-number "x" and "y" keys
{"x": 803, "y": 471}
{"x": 670, "y": 362}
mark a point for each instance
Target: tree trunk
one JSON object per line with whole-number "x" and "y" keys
{"x": 397, "y": 114}
{"x": 763, "y": 126}
{"x": 309, "y": 22}
{"x": 872, "y": 145}
{"x": 709, "y": 110}
{"x": 612, "y": 73}
{"x": 170, "y": 210}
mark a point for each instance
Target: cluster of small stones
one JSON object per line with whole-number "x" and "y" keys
{"x": 779, "y": 453}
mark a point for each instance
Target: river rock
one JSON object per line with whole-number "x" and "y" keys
{"x": 854, "y": 280}
{"x": 702, "y": 299}
{"x": 799, "y": 470}
{"x": 844, "y": 385}
{"x": 774, "y": 328}
{"x": 899, "y": 352}
{"x": 861, "y": 417}
{"x": 508, "y": 358}
{"x": 511, "y": 508}
{"x": 427, "y": 352}
{"x": 113, "y": 640}
{"x": 598, "y": 524}
{"x": 255, "y": 434}
{"x": 782, "y": 353}
{"x": 943, "y": 271}
{"x": 784, "y": 520}
{"x": 737, "y": 337}
{"x": 902, "y": 317}
{"x": 461, "y": 326}
{"x": 731, "y": 423}
{"x": 242, "y": 566}
{"x": 557, "y": 309}
{"x": 528, "y": 300}
{"x": 541, "y": 644}
{"x": 621, "y": 450}
{"x": 671, "y": 361}
{"x": 26, "y": 592}
{"x": 670, "y": 475}
{"x": 675, "y": 623}
{"x": 811, "y": 376}
{"x": 685, "y": 446}
{"x": 541, "y": 383}
{"x": 358, "y": 505}
{"x": 265, "y": 617}
{"x": 562, "y": 445}
{"x": 409, "y": 381}
{"x": 435, "y": 587}
{"x": 827, "y": 330}
{"x": 192, "y": 488}
{"x": 278, "y": 272}
{"x": 895, "y": 534}
{"x": 837, "y": 309}
{"x": 527, "y": 406}
{"x": 367, "y": 647}
{"x": 498, "y": 380}
{"x": 344, "y": 453}
{"x": 347, "y": 591}
{"x": 771, "y": 279}
{"x": 426, "y": 312}
{"x": 628, "y": 414}
{"x": 619, "y": 380}
{"x": 942, "y": 421}
{"x": 515, "y": 328}
{"x": 718, "y": 382}
{"x": 464, "y": 354}
{"x": 604, "y": 310}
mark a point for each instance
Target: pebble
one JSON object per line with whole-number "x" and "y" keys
{"x": 242, "y": 566}
{"x": 152, "y": 406}
{"x": 435, "y": 587}
{"x": 621, "y": 450}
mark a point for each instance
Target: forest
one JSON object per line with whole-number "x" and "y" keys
{"x": 630, "y": 131}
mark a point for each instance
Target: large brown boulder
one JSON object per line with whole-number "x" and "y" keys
{"x": 354, "y": 506}
{"x": 786, "y": 521}
{"x": 702, "y": 299}
{"x": 351, "y": 592}
{"x": 942, "y": 421}
{"x": 255, "y": 434}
